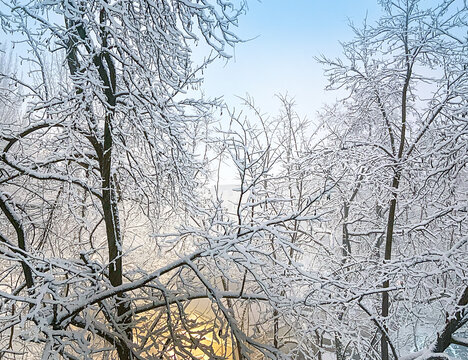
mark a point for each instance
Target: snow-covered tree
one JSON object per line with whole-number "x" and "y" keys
{"x": 400, "y": 140}
{"x": 102, "y": 156}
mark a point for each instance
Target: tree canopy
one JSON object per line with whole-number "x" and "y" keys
{"x": 345, "y": 236}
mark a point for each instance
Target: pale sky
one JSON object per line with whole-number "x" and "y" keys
{"x": 287, "y": 35}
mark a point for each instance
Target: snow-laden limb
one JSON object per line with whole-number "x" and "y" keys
{"x": 426, "y": 355}
{"x": 457, "y": 340}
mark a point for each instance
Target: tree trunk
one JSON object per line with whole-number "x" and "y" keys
{"x": 388, "y": 256}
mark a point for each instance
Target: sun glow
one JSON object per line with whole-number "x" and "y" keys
{"x": 196, "y": 334}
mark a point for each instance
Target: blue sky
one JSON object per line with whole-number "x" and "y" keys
{"x": 285, "y": 36}
{"x": 288, "y": 34}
